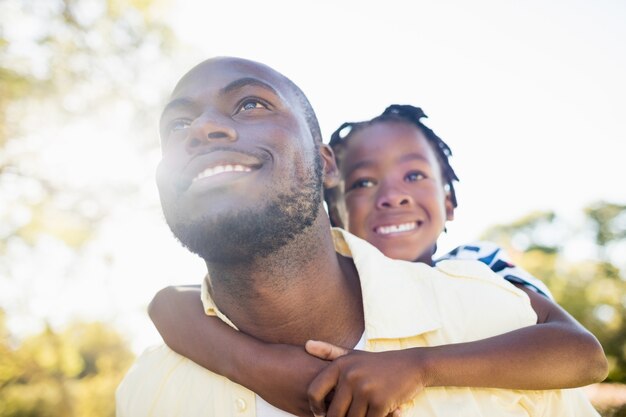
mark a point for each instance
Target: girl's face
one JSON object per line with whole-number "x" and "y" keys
{"x": 393, "y": 192}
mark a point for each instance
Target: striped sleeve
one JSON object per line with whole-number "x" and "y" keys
{"x": 497, "y": 259}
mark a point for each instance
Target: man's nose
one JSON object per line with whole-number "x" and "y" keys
{"x": 389, "y": 197}
{"x": 207, "y": 129}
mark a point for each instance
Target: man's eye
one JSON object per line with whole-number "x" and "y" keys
{"x": 362, "y": 183}
{"x": 178, "y": 125}
{"x": 251, "y": 104}
{"x": 414, "y": 176}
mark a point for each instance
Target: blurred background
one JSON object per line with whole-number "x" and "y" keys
{"x": 531, "y": 97}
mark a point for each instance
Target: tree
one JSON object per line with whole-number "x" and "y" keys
{"x": 63, "y": 374}
{"x": 592, "y": 286}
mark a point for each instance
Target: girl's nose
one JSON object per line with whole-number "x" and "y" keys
{"x": 390, "y": 198}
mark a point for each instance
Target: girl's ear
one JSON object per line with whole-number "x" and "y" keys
{"x": 331, "y": 172}
{"x": 449, "y": 207}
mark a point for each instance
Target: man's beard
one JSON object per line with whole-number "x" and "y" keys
{"x": 244, "y": 235}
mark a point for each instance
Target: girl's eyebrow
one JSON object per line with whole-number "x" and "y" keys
{"x": 413, "y": 156}
{"x": 366, "y": 163}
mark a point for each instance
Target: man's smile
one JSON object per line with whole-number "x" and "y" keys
{"x": 221, "y": 169}
{"x": 221, "y": 175}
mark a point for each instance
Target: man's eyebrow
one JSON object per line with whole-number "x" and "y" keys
{"x": 177, "y": 103}
{"x": 244, "y": 82}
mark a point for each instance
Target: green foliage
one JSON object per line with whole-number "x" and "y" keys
{"x": 62, "y": 374}
{"x": 609, "y": 221}
{"x": 525, "y": 233}
{"x": 13, "y": 85}
{"x": 590, "y": 286}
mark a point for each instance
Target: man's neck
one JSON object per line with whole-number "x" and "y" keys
{"x": 303, "y": 291}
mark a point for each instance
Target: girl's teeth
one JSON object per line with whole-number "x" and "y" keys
{"x": 396, "y": 228}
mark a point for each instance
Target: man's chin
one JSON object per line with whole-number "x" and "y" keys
{"x": 242, "y": 235}
{"x": 215, "y": 239}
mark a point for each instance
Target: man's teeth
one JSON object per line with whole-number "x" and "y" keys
{"x": 209, "y": 172}
{"x": 396, "y": 228}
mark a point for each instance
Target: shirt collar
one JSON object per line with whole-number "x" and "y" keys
{"x": 398, "y": 297}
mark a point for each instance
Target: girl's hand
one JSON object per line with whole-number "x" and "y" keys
{"x": 364, "y": 383}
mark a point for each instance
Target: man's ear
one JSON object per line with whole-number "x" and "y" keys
{"x": 449, "y": 207}
{"x": 331, "y": 172}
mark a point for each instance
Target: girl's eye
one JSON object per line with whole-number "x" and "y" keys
{"x": 251, "y": 104}
{"x": 362, "y": 183}
{"x": 414, "y": 176}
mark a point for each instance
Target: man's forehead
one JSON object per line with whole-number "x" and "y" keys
{"x": 218, "y": 73}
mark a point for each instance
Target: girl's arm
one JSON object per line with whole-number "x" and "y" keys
{"x": 557, "y": 352}
{"x": 278, "y": 373}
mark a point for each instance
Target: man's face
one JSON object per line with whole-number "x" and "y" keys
{"x": 238, "y": 174}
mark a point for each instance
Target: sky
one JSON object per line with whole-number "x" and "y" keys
{"x": 530, "y": 96}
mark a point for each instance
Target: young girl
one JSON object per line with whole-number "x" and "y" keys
{"x": 394, "y": 194}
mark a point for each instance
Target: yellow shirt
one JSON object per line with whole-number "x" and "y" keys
{"x": 405, "y": 305}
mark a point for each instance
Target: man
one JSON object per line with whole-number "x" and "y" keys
{"x": 241, "y": 184}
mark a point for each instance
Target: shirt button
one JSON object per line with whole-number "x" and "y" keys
{"x": 241, "y": 404}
